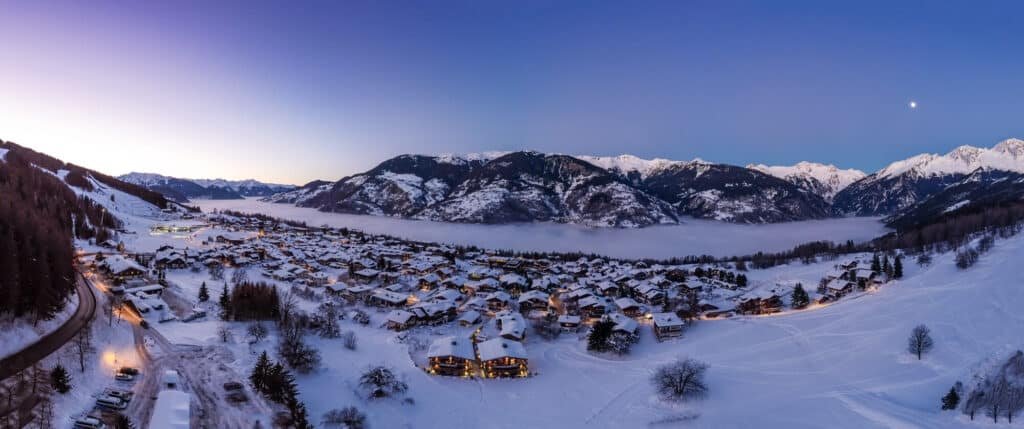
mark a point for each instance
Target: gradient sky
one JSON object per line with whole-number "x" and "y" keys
{"x": 294, "y": 91}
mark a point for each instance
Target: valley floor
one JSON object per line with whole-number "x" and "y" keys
{"x": 844, "y": 365}
{"x": 693, "y": 237}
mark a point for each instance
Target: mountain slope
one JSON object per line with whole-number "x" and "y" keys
{"x": 731, "y": 193}
{"x": 622, "y": 191}
{"x": 182, "y": 190}
{"x": 530, "y": 186}
{"x": 982, "y": 188}
{"x": 905, "y": 183}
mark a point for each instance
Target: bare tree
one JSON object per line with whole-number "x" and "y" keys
{"x": 240, "y": 275}
{"x": 681, "y": 380}
{"x": 289, "y": 303}
{"x": 975, "y": 401}
{"x": 224, "y": 333}
{"x": 348, "y": 418}
{"x": 257, "y": 331}
{"x": 44, "y": 412}
{"x": 920, "y": 341}
{"x": 216, "y": 271}
{"x": 82, "y": 346}
{"x": 996, "y": 398}
{"x": 348, "y": 339}
{"x": 294, "y": 350}
{"x": 1014, "y": 401}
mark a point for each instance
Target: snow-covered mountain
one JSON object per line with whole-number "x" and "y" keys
{"x": 820, "y": 179}
{"x": 905, "y": 183}
{"x": 620, "y": 191}
{"x": 182, "y": 190}
{"x": 247, "y": 187}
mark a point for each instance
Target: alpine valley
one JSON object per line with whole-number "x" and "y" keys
{"x": 627, "y": 191}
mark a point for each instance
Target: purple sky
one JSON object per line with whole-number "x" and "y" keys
{"x": 290, "y": 92}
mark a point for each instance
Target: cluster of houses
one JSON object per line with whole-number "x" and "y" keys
{"x": 420, "y": 284}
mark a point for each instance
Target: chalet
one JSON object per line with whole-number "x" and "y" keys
{"x": 386, "y": 298}
{"x": 667, "y": 325}
{"x": 607, "y": 288}
{"x": 121, "y": 268}
{"x": 624, "y": 324}
{"x": 486, "y": 285}
{"x": 592, "y": 307}
{"x": 452, "y": 356}
{"x": 501, "y": 357}
{"x": 399, "y": 320}
{"x": 764, "y": 302}
{"x": 837, "y": 288}
{"x": 629, "y": 307}
{"x": 365, "y": 275}
{"x": 533, "y": 300}
{"x": 569, "y": 322}
{"x": 445, "y": 295}
{"x": 428, "y": 282}
{"x": 355, "y": 293}
{"x": 435, "y": 313}
{"x": 469, "y": 318}
{"x": 512, "y": 326}
{"x": 514, "y": 283}
{"x": 497, "y": 301}
{"x": 649, "y": 294}
{"x": 318, "y": 278}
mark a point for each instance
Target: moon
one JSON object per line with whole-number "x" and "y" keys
{"x": 912, "y": 104}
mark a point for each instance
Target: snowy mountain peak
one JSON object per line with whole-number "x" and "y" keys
{"x": 459, "y": 159}
{"x": 1008, "y": 155}
{"x": 825, "y": 180}
{"x": 626, "y": 163}
{"x": 1012, "y": 147}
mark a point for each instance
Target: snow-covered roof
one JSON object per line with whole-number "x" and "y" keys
{"x": 459, "y": 347}
{"x": 400, "y": 316}
{"x": 499, "y": 348}
{"x": 565, "y": 318}
{"x": 667, "y": 319}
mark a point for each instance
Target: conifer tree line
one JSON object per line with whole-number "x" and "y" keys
{"x": 39, "y": 215}
{"x": 250, "y": 301}
{"x": 276, "y": 383}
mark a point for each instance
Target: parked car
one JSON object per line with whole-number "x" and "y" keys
{"x": 88, "y": 422}
{"x": 121, "y": 394}
{"x": 111, "y": 402}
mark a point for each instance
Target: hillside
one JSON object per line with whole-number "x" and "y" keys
{"x": 41, "y": 215}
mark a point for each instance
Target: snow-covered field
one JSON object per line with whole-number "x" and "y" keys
{"x": 844, "y": 365}
{"x": 695, "y": 237}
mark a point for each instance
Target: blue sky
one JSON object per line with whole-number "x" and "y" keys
{"x": 291, "y": 92}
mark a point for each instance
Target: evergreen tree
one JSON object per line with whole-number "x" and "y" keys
{"x": 225, "y": 304}
{"x": 204, "y": 294}
{"x": 60, "y": 380}
{"x": 800, "y": 298}
{"x": 951, "y": 400}
{"x": 741, "y": 280}
{"x": 897, "y": 267}
{"x": 886, "y": 268}
{"x": 876, "y": 265}
{"x": 258, "y": 378}
{"x": 300, "y": 417}
{"x": 597, "y": 341}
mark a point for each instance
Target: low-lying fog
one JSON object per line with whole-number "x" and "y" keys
{"x": 695, "y": 237}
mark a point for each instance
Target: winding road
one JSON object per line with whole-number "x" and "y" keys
{"x": 53, "y": 341}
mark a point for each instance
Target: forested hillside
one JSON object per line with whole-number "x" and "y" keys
{"x": 39, "y": 216}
